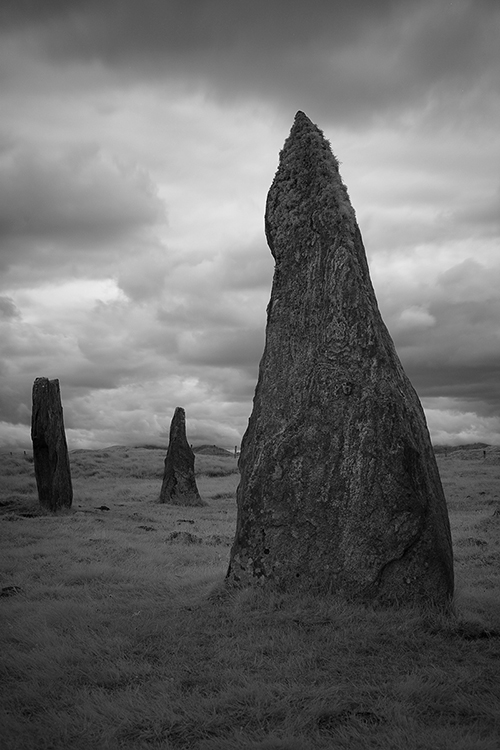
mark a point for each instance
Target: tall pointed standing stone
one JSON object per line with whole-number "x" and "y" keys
{"x": 50, "y": 450}
{"x": 339, "y": 486}
{"x": 179, "y": 483}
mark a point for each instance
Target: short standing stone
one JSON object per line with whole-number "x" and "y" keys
{"x": 50, "y": 450}
{"x": 179, "y": 483}
{"x": 339, "y": 489}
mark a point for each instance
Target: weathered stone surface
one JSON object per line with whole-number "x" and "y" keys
{"x": 339, "y": 487}
{"x": 179, "y": 483}
{"x": 50, "y": 450}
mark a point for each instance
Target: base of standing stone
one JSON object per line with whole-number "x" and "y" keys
{"x": 178, "y": 492}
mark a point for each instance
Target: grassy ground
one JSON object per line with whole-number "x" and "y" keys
{"x": 113, "y": 635}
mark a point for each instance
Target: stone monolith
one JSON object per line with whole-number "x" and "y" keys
{"x": 50, "y": 450}
{"x": 179, "y": 483}
{"x": 339, "y": 488}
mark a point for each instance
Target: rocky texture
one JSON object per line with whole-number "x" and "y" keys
{"x": 50, "y": 450}
{"x": 339, "y": 489}
{"x": 179, "y": 483}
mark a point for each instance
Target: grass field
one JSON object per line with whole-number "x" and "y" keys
{"x": 113, "y": 635}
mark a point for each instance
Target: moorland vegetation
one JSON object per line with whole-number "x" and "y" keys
{"x": 115, "y": 632}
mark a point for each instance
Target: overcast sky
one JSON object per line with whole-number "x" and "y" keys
{"x": 138, "y": 141}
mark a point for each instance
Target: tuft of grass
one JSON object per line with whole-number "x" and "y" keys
{"x": 216, "y": 466}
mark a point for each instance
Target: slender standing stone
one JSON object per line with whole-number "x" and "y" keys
{"x": 50, "y": 450}
{"x": 339, "y": 489}
{"x": 179, "y": 483}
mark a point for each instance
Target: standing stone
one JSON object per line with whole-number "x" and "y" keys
{"x": 179, "y": 483}
{"x": 339, "y": 489}
{"x": 50, "y": 450}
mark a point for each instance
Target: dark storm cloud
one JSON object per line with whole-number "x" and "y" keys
{"x": 8, "y": 309}
{"x": 451, "y": 348}
{"x": 54, "y": 206}
{"x": 342, "y": 60}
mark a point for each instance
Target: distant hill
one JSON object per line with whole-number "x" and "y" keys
{"x": 204, "y": 450}
{"x": 465, "y": 447}
{"x": 470, "y": 452}
{"x": 211, "y": 450}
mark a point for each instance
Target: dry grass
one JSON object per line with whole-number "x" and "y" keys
{"x": 114, "y": 635}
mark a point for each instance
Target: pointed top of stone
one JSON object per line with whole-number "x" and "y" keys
{"x": 303, "y": 123}
{"x": 306, "y": 133}
{"x": 178, "y": 429}
{"x": 179, "y": 415}
{"x": 302, "y": 117}
{"x": 307, "y": 188}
